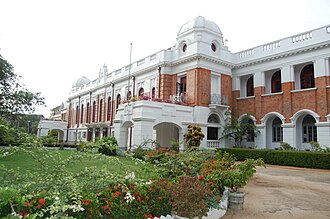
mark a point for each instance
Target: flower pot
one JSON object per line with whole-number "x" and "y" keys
{"x": 236, "y": 200}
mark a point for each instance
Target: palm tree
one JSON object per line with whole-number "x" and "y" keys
{"x": 239, "y": 130}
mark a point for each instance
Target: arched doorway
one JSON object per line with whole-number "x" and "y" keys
{"x": 274, "y": 132}
{"x": 305, "y": 128}
{"x": 166, "y": 132}
{"x": 128, "y": 134}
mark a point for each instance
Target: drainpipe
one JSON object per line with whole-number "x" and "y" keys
{"x": 159, "y": 79}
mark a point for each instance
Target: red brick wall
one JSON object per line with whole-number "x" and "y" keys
{"x": 304, "y": 100}
{"x": 198, "y": 87}
{"x": 287, "y": 100}
{"x": 258, "y": 91}
{"x": 288, "y": 103}
{"x": 236, "y": 94}
{"x": 272, "y": 103}
{"x": 245, "y": 106}
{"x": 321, "y": 97}
{"x": 166, "y": 86}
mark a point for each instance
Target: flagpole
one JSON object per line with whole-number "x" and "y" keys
{"x": 129, "y": 72}
{"x": 128, "y": 89}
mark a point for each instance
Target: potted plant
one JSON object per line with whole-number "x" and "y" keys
{"x": 238, "y": 177}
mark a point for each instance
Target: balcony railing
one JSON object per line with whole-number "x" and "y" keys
{"x": 219, "y": 99}
{"x": 213, "y": 144}
{"x": 181, "y": 98}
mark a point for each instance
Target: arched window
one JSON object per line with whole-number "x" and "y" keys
{"x": 109, "y": 109}
{"x": 118, "y": 101}
{"x": 129, "y": 95}
{"x": 94, "y": 111}
{"x": 141, "y": 92}
{"x": 276, "y": 82}
{"x": 309, "y": 129}
{"x": 77, "y": 115}
{"x": 87, "y": 113}
{"x": 277, "y": 130}
{"x": 213, "y": 118}
{"x": 249, "y": 87}
{"x": 307, "y": 77}
{"x": 82, "y": 114}
{"x": 153, "y": 93}
{"x": 100, "y": 110}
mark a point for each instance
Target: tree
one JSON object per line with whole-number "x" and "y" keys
{"x": 15, "y": 99}
{"x": 239, "y": 130}
{"x": 193, "y": 137}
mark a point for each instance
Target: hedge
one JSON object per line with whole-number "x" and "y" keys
{"x": 307, "y": 159}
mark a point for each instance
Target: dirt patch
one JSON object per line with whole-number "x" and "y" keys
{"x": 280, "y": 192}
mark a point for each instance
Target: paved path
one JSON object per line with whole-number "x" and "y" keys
{"x": 285, "y": 192}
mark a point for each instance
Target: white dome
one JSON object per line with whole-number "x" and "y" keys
{"x": 81, "y": 82}
{"x": 200, "y": 22}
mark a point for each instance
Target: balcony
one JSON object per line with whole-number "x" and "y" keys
{"x": 217, "y": 99}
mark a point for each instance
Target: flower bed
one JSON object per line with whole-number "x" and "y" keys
{"x": 189, "y": 184}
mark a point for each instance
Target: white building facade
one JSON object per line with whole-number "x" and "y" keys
{"x": 284, "y": 85}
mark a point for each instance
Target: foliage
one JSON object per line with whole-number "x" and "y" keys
{"x": 139, "y": 150}
{"x": 186, "y": 183}
{"x": 307, "y": 159}
{"x": 196, "y": 191}
{"x": 53, "y": 191}
{"x": 193, "y": 137}
{"x": 15, "y": 99}
{"x": 107, "y": 145}
{"x": 317, "y": 147}
{"x": 286, "y": 146}
{"x": 175, "y": 145}
{"x": 239, "y": 130}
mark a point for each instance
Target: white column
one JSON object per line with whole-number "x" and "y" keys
{"x": 101, "y": 132}
{"x": 143, "y": 130}
{"x": 323, "y": 133}
{"x": 289, "y": 134}
{"x": 260, "y": 140}
{"x": 259, "y": 79}
{"x": 320, "y": 67}
{"x": 93, "y": 136}
{"x": 287, "y": 73}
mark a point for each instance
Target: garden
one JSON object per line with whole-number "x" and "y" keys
{"x": 99, "y": 181}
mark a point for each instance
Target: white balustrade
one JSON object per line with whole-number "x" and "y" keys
{"x": 213, "y": 144}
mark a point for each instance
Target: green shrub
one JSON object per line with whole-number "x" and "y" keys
{"x": 285, "y": 158}
{"x": 286, "y": 146}
{"x": 108, "y": 145}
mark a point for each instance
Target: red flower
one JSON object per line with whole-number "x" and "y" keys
{"x": 26, "y": 214}
{"x": 27, "y": 204}
{"x": 160, "y": 198}
{"x": 20, "y": 213}
{"x": 116, "y": 194}
{"x": 38, "y": 206}
{"x": 42, "y": 201}
{"x": 200, "y": 177}
{"x": 106, "y": 207}
{"x": 211, "y": 183}
{"x": 87, "y": 203}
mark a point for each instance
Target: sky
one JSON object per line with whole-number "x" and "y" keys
{"x": 52, "y": 43}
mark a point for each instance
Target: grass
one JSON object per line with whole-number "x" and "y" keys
{"x": 22, "y": 162}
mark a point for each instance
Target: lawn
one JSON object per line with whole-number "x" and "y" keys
{"x": 23, "y": 161}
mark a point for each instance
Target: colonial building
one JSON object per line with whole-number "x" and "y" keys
{"x": 284, "y": 85}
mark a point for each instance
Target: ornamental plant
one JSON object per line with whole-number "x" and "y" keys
{"x": 193, "y": 137}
